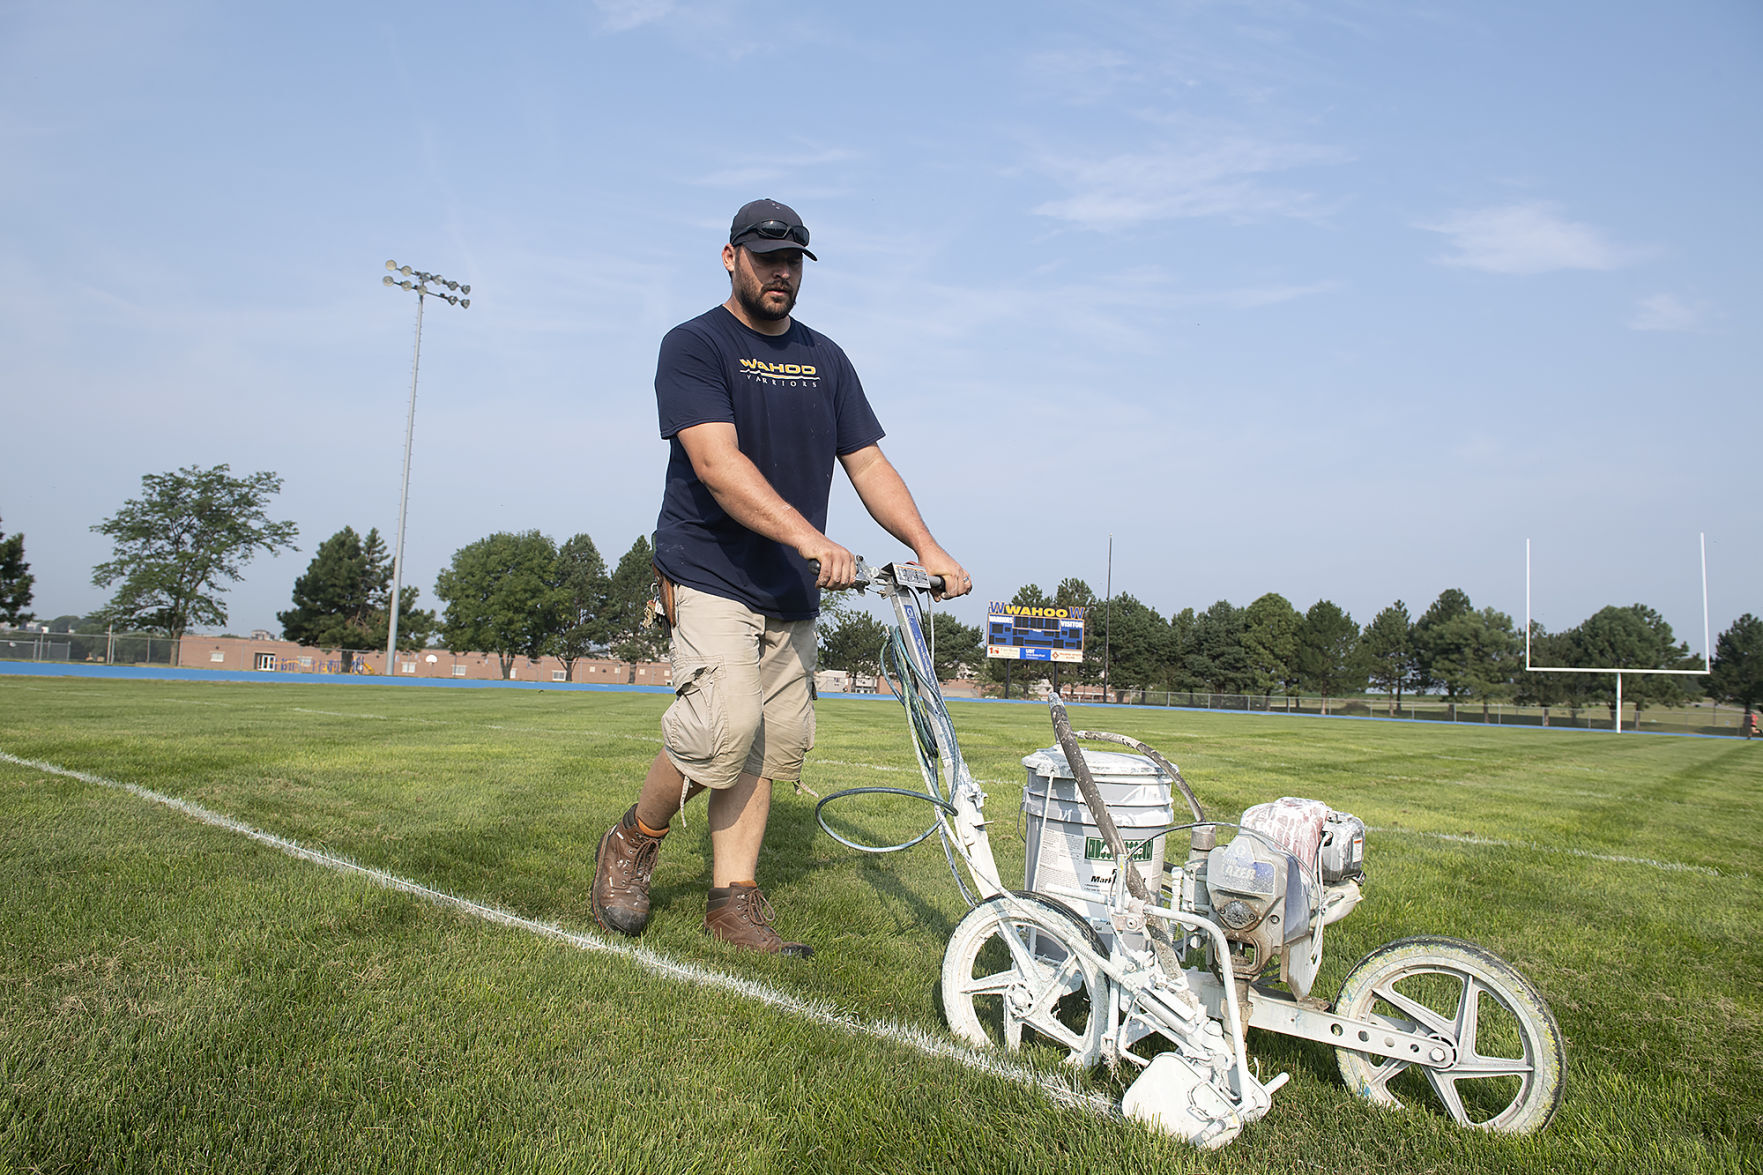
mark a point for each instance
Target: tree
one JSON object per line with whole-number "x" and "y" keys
{"x": 1140, "y": 645}
{"x": 502, "y": 597}
{"x": 850, "y": 639}
{"x": 1549, "y": 690}
{"x": 188, "y": 534}
{"x": 954, "y": 645}
{"x": 1493, "y": 665}
{"x": 1470, "y": 653}
{"x": 584, "y": 626}
{"x": 15, "y": 580}
{"x": 1181, "y": 646}
{"x": 1388, "y": 649}
{"x": 627, "y": 597}
{"x": 1328, "y": 652}
{"x": 1217, "y": 657}
{"x": 1632, "y": 637}
{"x": 1436, "y": 650}
{"x": 1270, "y": 643}
{"x": 340, "y": 602}
{"x": 1737, "y": 675}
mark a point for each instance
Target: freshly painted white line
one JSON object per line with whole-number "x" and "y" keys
{"x": 1558, "y": 850}
{"x": 1060, "y": 1091}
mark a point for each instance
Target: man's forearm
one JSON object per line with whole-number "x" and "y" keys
{"x": 742, "y": 491}
{"x": 884, "y": 494}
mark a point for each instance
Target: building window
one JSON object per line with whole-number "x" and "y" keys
{"x": 306, "y": 662}
{"x": 407, "y": 666}
{"x": 217, "y": 657}
{"x": 265, "y": 661}
{"x": 458, "y": 671}
{"x": 559, "y": 675}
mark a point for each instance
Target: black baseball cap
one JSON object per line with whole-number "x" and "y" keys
{"x": 765, "y": 226}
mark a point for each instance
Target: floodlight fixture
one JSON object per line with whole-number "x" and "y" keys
{"x": 420, "y": 287}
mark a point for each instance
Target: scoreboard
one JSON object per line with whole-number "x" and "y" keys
{"x": 1015, "y": 632}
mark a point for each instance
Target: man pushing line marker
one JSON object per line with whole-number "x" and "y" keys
{"x": 756, "y": 408}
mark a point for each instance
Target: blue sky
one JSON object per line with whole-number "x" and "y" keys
{"x": 1337, "y": 300}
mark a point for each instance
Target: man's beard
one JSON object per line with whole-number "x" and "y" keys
{"x": 752, "y": 299}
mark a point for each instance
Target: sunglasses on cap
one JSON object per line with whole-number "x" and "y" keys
{"x": 774, "y": 230}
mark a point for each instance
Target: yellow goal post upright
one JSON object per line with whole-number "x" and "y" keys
{"x": 1707, "y": 646}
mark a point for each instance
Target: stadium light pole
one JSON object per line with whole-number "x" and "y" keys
{"x": 402, "y": 277}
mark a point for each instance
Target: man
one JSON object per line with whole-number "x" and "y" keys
{"x": 756, "y": 408}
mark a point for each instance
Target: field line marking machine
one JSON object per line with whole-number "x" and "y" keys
{"x": 1157, "y": 968}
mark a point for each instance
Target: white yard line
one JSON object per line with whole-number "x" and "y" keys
{"x": 1058, "y": 1090}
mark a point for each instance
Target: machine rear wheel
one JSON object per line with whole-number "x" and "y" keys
{"x": 1510, "y": 1062}
{"x": 1013, "y": 964}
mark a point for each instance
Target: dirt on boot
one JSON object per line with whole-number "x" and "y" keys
{"x": 623, "y": 864}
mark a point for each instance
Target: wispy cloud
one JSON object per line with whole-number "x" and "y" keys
{"x": 778, "y": 166}
{"x": 1668, "y": 312}
{"x": 619, "y": 16}
{"x": 1527, "y": 238}
{"x": 1222, "y": 178}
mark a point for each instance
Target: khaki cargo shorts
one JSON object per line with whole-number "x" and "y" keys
{"x": 742, "y": 697}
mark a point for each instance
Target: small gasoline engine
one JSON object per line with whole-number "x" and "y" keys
{"x": 1294, "y": 867}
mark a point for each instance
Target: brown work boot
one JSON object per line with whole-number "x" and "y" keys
{"x": 740, "y": 915}
{"x": 622, "y": 866}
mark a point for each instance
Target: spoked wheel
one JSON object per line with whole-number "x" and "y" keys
{"x": 1011, "y": 965}
{"x": 1510, "y": 1061}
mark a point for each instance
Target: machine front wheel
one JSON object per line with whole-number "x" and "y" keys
{"x": 1510, "y": 1061}
{"x": 1022, "y": 961}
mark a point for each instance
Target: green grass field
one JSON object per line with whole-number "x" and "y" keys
{"x": 178, "y": 997}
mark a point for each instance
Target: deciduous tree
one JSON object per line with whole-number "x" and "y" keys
{"x": 1549, "y": 690}
{"x": 15, "y": 580}
{"x": 1737, "y": 675}
{"x": 176, "y": 546}
{"x": 1631, "y": 637}
{"x": 584, "y": 623}
{"x": 502, "y": 597}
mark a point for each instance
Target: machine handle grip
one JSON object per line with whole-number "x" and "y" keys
{"x": 867, "y": 575}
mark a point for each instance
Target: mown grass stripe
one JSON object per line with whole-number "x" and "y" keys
{"x": 1059, "y": 1091}
{"x": 1558, "y": 850}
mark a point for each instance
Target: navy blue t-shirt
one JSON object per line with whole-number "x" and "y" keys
{"x": 797, "y": 406}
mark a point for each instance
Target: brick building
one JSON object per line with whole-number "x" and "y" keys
{"x": 264, "y": 653}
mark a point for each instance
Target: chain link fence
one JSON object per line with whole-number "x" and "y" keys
{"x": 100, "y": 648}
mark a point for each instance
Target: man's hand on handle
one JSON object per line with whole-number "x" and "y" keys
{"x": 956, "y": 581}
{"x": 838, "y": 567}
